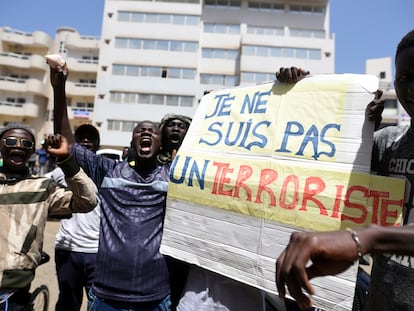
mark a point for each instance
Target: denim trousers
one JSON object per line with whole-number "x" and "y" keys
{"x": 98, "y": 304}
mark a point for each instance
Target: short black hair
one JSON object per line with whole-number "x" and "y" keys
{"x": 406, "y": 42}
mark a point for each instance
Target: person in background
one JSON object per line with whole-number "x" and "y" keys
{"x": 77, "y": 240}
{"x": 125, "y": 153}
{"x": 42, "y": 157}
{"x": 173, "y": 128}
{"x": 130, "y": 272}
{"x": 32, "y": 164}
{"x": 392, "y": 274}
{"x": 26, "y": 203}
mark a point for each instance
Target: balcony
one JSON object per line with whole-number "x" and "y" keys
{"x": 82, "y": 65}
{"x": 23, "y": 61}
{"x": 73, "y": 40}
{"x": 34, "y": 86}
{"x": 26, "y": 110}
{"x": 37, "y": 38}
{"x": 80, "y": 89}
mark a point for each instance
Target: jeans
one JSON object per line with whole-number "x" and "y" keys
{"x": 98, "y": 304}
{"x": 74, "y": 272}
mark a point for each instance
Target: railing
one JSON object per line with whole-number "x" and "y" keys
{"x": 15, "y": 55}
{"x": 17, "y": 32}
{"x": 11, "y": 79}
{"x": 10, "y": 104}
{"x": 87, "y": 61}
{"x": 79, "y": 84}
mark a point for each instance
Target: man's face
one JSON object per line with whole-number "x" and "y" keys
{"x": 173, "y": 134}
{"x": 88, "y": 141}
{"x": 16, "y": 146}
{"x": 146, "y": 140}
{"x": 404, "y": 79}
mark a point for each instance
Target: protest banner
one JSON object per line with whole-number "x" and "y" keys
{"x": 259, "y": 162}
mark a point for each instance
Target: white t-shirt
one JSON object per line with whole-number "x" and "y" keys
{"x": 80, "y": 233}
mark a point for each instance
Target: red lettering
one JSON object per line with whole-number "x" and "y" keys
{"x": 338, "y": 200}
{"x": 313, "y": 186}
{"x": 282, "y": 200}
{"x": 385, "y": 212}
{"x": 267, "y": 176}
{"x": 377, "y": 195}
{"x": 220, "y": 179}
{"x": 244, "y": 173}
{"x": 349, "y": 204}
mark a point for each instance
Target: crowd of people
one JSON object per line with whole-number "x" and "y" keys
{"x": 112, "y": 219}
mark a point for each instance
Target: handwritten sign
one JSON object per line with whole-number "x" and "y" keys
{"x": 259, "y": 162}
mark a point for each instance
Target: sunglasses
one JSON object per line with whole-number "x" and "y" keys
{"x": 12, "y": 142}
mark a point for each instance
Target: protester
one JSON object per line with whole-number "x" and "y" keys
{"x": 125, "y": 153}
{"x": 130, "y": 271}
{"x": 333, "y": 252}
{"x": 42, "y": 157}
{"x": 26, "y": 202}
{"x": 32, "y": 164}
{"x": 173, "y": 129}
{"x": 392, "y": 275}
{"x": 77, "y": 240}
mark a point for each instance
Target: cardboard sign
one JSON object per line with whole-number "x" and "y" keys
{"x": 260, "y": 162}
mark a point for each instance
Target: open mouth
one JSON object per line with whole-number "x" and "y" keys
{"x": 175, "y": 138}
{"x": 145, "y": 145}
{"x": 17, "y": 157}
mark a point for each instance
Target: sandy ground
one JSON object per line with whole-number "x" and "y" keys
{"x": 46, "y": 273}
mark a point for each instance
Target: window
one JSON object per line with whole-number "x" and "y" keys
{"x": 121, "y": 43}
{"x": 256, "y": 77}
{"x": 151, "y": 99}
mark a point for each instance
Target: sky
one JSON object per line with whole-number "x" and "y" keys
{"x": 363, "y": 29}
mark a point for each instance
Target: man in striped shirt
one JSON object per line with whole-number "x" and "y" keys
{"x": 26, "y": 202}
{"x": 131, "y": 273}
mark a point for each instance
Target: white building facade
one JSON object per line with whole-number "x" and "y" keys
{"x": 25, "y": 90}
{"x": 158, "y": 57}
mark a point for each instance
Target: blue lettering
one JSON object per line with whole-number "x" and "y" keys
{"x": 290, "y": 131}
{"x": 257, "y": 104}
{"x": 212, "y": 128}
{"x": 330, "y": 144}
{"x": 194, "y": 171}
{"x": 223, "y": 106}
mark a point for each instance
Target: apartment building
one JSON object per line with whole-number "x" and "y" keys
{"x": 25, "y": 91}
{"x": 158, "y": 57}
{"x": 393, "y": 113}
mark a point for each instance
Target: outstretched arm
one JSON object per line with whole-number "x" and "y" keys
{"x": 332, "y": 253}
{"x": 58, "y": 76}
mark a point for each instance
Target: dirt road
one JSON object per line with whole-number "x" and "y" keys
{"x": 46, "y": 274}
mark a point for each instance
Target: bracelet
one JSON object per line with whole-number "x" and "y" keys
{"x": 357, "y": 241}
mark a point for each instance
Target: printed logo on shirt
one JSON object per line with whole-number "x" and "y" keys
{"x": 405, "y": 261}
